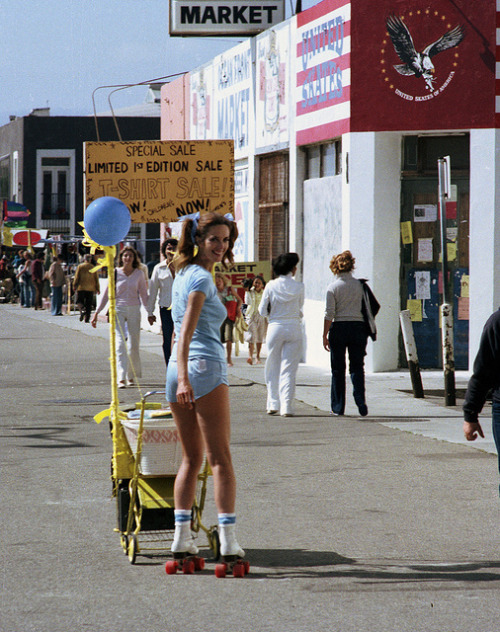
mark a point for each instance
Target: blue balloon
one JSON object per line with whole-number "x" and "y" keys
{"x": 107, "y": 221}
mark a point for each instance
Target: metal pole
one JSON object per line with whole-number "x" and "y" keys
{"x": 447, "y": 305}
{"x": 411, "y": 353}
{"x": 448, "y": 355}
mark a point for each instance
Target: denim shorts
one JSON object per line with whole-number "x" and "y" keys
{"x": 204, "y": 375}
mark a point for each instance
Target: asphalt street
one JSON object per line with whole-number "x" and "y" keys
{"x": 388, "y": 523}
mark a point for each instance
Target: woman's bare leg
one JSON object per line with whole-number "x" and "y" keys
{"x": 212, "y": 412}
{"x": 192, "y": 460}
{"x": 205, "y": 428}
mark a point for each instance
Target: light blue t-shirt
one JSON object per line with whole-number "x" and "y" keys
{"x": 206, "y": 342}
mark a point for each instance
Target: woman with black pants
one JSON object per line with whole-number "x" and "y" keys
{"x": 345, "y": 330}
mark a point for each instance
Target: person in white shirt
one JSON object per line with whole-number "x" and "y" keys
{"x": 131, "y": 292}
{"x": 281, "y": 304}
{"x": 143, "y": 267}
{"x": 257, "y": 324}
{"x": 160, "y": 285}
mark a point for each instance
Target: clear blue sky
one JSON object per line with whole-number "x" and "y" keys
{"x": 56, "y": 52}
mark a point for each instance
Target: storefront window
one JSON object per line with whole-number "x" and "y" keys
{"x": 55, "y": 193}
{"x": 324, "y": 160}
{"x": 5, "y": 178}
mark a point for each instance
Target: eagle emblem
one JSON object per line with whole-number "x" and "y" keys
{"x": 417, "y": 63}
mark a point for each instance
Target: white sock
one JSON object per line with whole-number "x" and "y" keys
{"x": 183, "y": 538}
{"x": 227, "y": 534}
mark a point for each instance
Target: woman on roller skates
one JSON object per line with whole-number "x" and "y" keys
{"x": 197, "y": 385}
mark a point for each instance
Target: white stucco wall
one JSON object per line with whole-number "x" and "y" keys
{"x": 322, "y": 238}
{"x": 359, "y": 211}
{"x": 322, "y": 232}
{"x": 484, "y": 242}
{"x": 373, "y": 235}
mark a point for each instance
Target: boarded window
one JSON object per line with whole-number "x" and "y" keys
{"x": 273, "y": 206}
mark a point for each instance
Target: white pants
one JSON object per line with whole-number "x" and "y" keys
{"x": 128, "y": 330}
{"x": 284, "y": 351}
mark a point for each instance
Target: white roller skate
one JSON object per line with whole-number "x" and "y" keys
{"x": 231, "y": 553}
{"x": 185, "y": 552}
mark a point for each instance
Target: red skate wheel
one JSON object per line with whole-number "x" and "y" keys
{"x": 220, "y": 570}
{"x": 239, "y": 569}
{"x": 199, "y": 563}
{"x": 188, "y": 567}
{"x": 246, "y": 564}
{"x": 171, "y": 567}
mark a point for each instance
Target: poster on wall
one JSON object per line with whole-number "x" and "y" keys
{"x": 161, "y": 181}
{"x": 241, "y": 215}
{"x": 463, "y": 308}
{"x": 323, "y": 76}
{"x": 271, "y": 104}
{"x": 201, "y": 91}
{"x": 242, "y": 270}
{"x": 233, "y": 96}
{"x": 425, "y": 252}
{"x": 406, "y": 233}
{"x": 425, "y": 213}
{"x": 422, "y": 285}
{"x": 414, "y": 306}
{"x": 421, "y": 65}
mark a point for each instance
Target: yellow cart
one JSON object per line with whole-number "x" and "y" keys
{"x": 145, "y": 501}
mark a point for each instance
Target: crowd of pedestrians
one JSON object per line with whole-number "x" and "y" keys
{"x": 30, "y": 278}
{"x": 198, "y": 311}
{"x": 271, "y": 310}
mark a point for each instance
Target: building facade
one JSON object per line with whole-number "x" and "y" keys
{"x": 41, "y": 166}
{"x": 339, "y": 116}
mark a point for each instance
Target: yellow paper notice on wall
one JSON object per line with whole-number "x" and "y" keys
{"x": 464, "y": 286}
{"x": 451, "y": 250}
{"x": 406, "y": 234}
{"x": 415, "y": 308}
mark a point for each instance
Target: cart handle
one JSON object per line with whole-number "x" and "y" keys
{"x": 149, "y": 393}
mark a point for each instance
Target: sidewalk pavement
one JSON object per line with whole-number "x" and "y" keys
{"x": 389, "y": 395}
{"x": 349, "y": 525}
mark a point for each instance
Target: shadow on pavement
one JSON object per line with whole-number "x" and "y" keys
{"x": 293, "y": 563}
{"x": 50, "y": 437}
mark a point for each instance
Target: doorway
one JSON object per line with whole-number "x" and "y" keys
{"x": 421, "y": 275}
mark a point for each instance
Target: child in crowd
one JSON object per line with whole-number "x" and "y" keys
{"x": 232, "y": 303}
{"x": 257, "y": 324}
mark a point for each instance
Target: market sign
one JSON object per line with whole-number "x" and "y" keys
{"x": 222, "y": 18}
{"x": 160, "y": 181}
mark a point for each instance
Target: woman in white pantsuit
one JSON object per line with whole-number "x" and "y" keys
{"x": 282, "y": 305}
